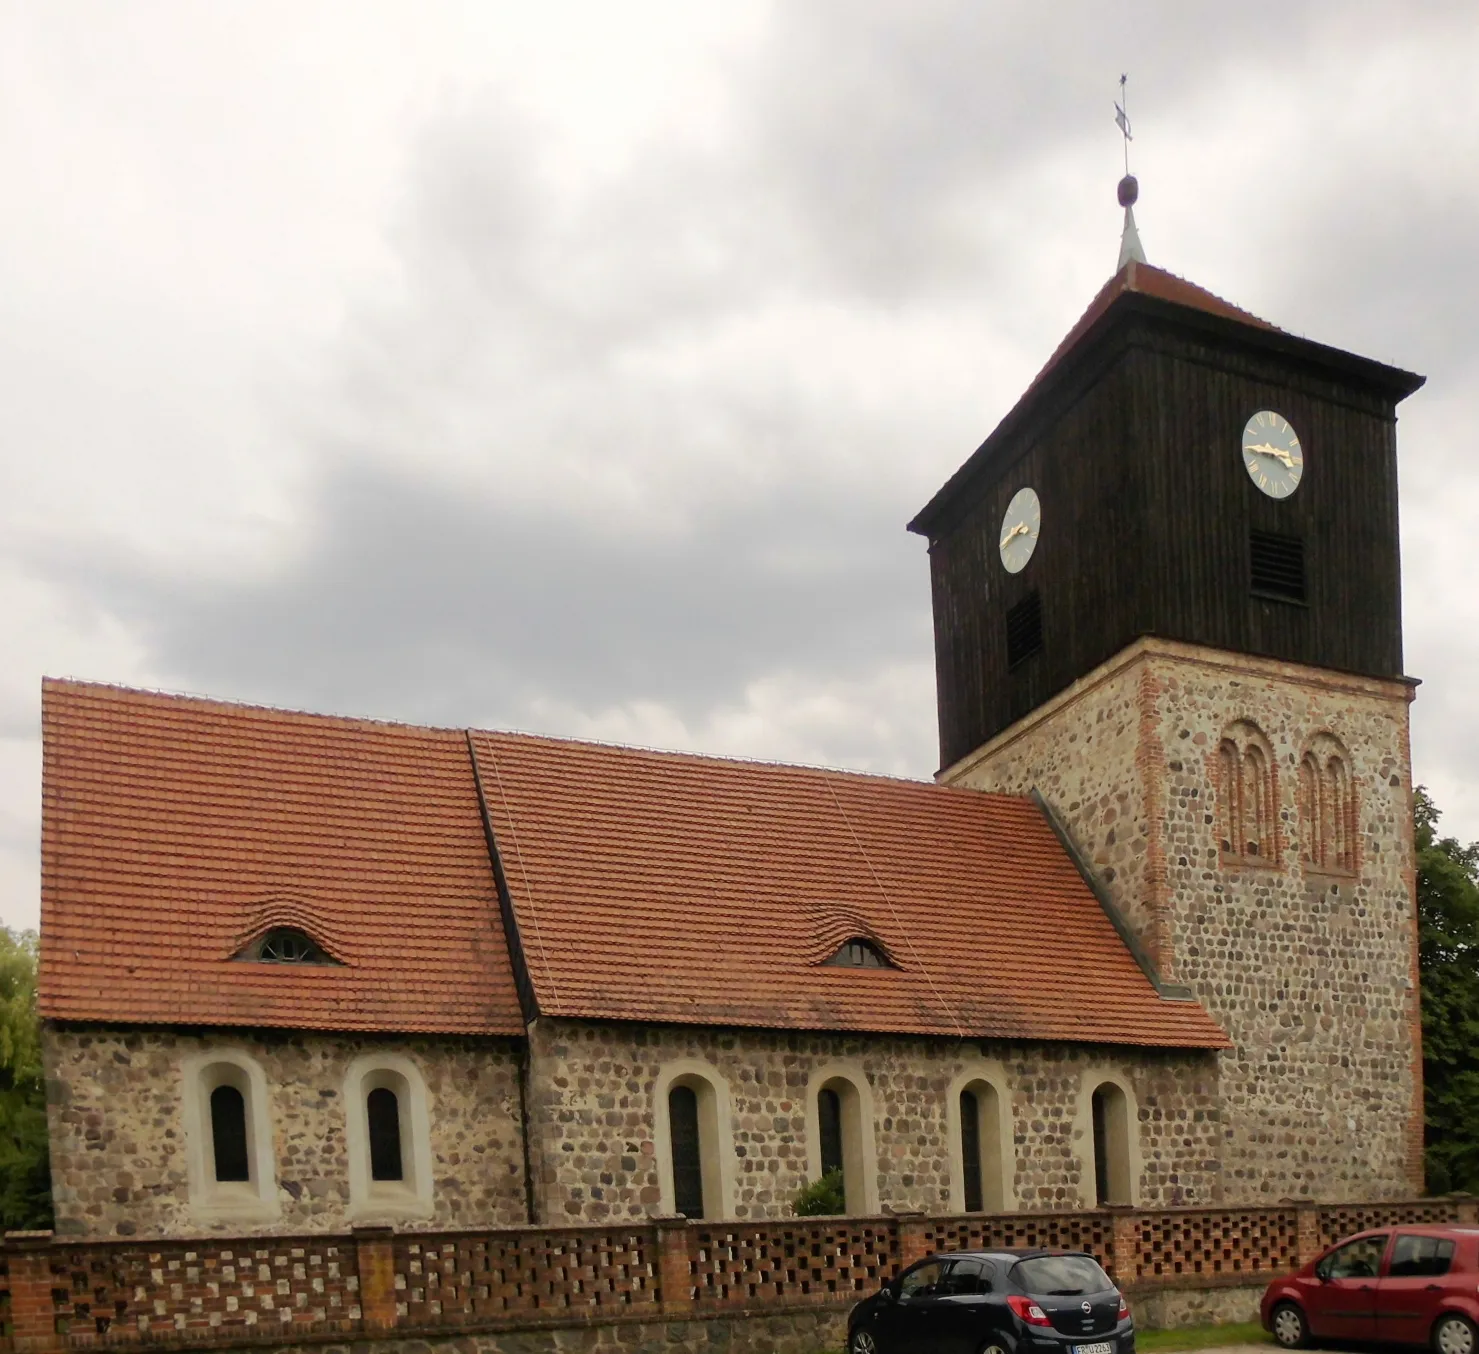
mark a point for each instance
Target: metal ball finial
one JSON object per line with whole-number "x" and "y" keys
{"x": 1129, "y": 190}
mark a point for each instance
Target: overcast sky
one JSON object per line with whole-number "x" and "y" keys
{"x": 575, "y": 367}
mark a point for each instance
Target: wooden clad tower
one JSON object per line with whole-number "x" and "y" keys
{"x": 1167, "y": 596}
{"x": 1151, "y": 524}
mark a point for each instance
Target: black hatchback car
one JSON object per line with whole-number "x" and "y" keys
{"x": 995, "y": 1302}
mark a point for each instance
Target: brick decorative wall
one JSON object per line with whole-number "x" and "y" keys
{"x": 1310, "y": 972}
{"x": 655, "y": 1281}
{"x": 115, "y": 1109}
{"x": 592, "y": 1120}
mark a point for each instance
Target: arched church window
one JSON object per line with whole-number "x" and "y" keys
{"x": 1111, "y": 1119}
{"x": 842, "y": 1143}
{"x": 694, "y": 1149}
{"x": 982, "y": 1169}
{"x": 1327, "y": 807}
{"x": 829, "y": 1121}
{"x": 688, "y": 1170}
{"x": 383, "y": 1109}
{"x": 232, "y": 1162}
{"x": 388, "y": 1136}
{"x": 1247, "y": 796}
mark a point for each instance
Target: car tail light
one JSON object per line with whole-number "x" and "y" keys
{"x": 1124, "y": 1307}
{"x": 1028, "y": 1310}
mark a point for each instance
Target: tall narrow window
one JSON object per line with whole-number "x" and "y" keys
{"x": 1230, "y": 783}
{"x": 1327, "y": 807}
{"x": 970, "y": 1150}
{"x": 1247, "y": 792}
{"x": 829, "y": 1120}
{"x": 383, "y": 1107}
{"x": 688, "y": 1171}
{"x": 1110, "y": 1112}
{"x": 1311, "y": 811}
{"x": 1342, "y": 818}
{"x": 984, "y": 1171}
{"x": 229, "y": 1134}
{"x": 1257, "y": 811}
{"x": 840, "y": 1133}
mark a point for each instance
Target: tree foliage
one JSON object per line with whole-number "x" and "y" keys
{"x": 821, "y": 1198}
{"x": 1448, "y": 955}
{"x": 25, "y": 1167}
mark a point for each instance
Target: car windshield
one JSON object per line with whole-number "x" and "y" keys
{"x": 1060, "y": 1276}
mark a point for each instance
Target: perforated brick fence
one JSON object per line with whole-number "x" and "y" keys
{"x": 375, "y": 1282}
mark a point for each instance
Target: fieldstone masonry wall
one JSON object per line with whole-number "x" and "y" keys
{"x": 1312, "y": 974}
{"x": 592, "y": 1117}
{"x": 118, "y": 1136}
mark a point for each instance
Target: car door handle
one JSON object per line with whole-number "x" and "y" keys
{"x": 1434, "y": 1288}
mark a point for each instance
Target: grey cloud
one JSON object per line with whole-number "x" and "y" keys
{"x": 863, "y": 127}
{"x": 430, "y": 604}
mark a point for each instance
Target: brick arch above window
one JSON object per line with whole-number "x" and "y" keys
{"x": 1328, "y": 815}
{"x": 1247, "y": 792}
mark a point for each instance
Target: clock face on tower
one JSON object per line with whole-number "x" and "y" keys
{"x": 1272, "y": 454}
{"x": 1019, "y": 528}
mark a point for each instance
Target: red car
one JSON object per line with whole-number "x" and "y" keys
{"x": 1409, "y": 1285}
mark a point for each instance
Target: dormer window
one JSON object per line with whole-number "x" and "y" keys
{"x": 285, "y": 945}
{"x": 858, "y": 953}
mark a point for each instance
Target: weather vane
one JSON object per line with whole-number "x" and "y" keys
{"x": 1129, "y": 187}
{"x": 1122, "y": 120}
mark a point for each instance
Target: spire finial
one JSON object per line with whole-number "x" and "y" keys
{"x": 1129, "y": 187}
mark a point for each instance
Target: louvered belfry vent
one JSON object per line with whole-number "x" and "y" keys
{"x": 1277, "y": 565}
{"x": 1024, "y": 629}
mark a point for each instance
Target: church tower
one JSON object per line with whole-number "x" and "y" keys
{"x": 1167, "y": 597}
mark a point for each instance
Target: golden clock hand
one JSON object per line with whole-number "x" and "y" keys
{"x": 1278, "y": 453}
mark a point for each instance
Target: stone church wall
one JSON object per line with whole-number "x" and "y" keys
{"x": 595, "y": 1138}
{"x": 120, "y": 1132}
{"x": 1312, "y": 972}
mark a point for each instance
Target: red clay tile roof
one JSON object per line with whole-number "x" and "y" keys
{"x": 1147, "y": 280}
{"x": 647, "y": 886}
{"x": 176, "y": 830}
{"x": 672, "y": 888}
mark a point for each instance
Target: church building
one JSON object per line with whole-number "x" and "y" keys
{"x": 1149, "y": 938}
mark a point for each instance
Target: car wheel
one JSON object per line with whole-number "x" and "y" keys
{"x": 1292, "y": 1331}
{"x": 862, "y": 1342}
{"x": 994, "y": 1347}
{"x": 1454, "y": 1334}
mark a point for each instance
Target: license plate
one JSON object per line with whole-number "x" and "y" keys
{"x": 1103, "y": 1347}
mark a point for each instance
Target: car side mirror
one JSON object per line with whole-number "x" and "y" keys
{"x": 888, "y": 1292}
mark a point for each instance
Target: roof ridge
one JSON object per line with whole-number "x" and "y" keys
{"x": 87, "y": 684}
{"x": 83, "y": 685}
{"x": 721, "y": 758}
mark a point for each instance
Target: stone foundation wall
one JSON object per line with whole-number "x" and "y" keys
{"x": 119, "y": 1150}
{"x": 1312, "y": 974}
{"x": 804, "y": 1332}
{"x": 1176, "y": 1308}
{"x": 594, "y": 1136}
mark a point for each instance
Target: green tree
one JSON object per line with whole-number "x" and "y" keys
{"x": 1448, "y": 956}
{"x": 821, "y": 1198}
{"x": 25, "y": 1165}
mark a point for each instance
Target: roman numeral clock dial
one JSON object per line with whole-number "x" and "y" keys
{"x": 1272, "y": 454}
